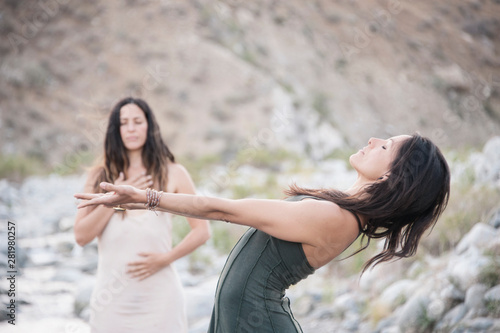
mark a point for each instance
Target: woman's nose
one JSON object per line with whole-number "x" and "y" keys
{"x": 373, "y": 141}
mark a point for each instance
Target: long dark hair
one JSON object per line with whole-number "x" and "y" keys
{"x": 401, "y": 207}
{"x": 155, "y": 153}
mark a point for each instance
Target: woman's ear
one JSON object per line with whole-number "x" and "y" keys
{"x": 384, "y": 176}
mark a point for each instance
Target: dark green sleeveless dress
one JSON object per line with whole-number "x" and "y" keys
{"x": 250, "y": 295}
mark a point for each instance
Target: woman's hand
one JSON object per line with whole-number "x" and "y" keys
{"x": 148, "y": 266}
{"x": 116, "y": 195}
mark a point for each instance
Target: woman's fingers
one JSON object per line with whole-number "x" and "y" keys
{"x": 141, "y": 269}
{"x": 143, "y": 181}
{"x": 84, "y": 204}
{"x": 141, "y": 275}
{"x": 148, "y": 181}
{"x": 138, "y": 270}
{"x": 89, "y": 197}
{"x": 116, "y": 195}
{"x": 121, "y": 179}
{"x": 85, "y": 196}
{"x": 134, "y": 267}
{"x": 108, "y": 186}
{"x": 89, "y": 201}
{"x": 95, "y": 199}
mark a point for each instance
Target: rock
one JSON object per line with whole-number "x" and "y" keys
{"x": 487, "y": 167}
{"x": 44, "y": 201}
{"x": 43, "y": 256}
{"x": 325, "y": 140}
{"x": 474, "y": 299}
{"x": 22, "y": 258}
{"x": 351, "y": 322}
{"x": 379, "y": 277}
{"x": 453, "y": 316}
{"x": 479, "y": 236}
{"x": 492, "y": 301}
{"x": 397, "y": 293}
{"x": 452, "y": 293}
{"x": 495, "y": 220}
{"x": 82, "y": 298}
{"x": 464, "y": 270}
{"x": 481, "y": 324}
{"x": 496, "y": 325}
{"x": 3, "y": 261}
{"x": 413, "y": 314}
{"x": 493, "y": 294}
{"x": 453, "y": 77}
{"x": 346, "y": 303}
{"x": 436, "y": 309}
{"x": 66, "y": 223}
{"x": 67, "y": 275}
{"x": 304, "y": 305}
{"x": 200, "y": 300}
{"x": 85, "y": 258}
{"x": 388, "y": 324}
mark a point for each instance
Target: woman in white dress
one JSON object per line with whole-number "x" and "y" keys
{"x": 137, "y": 289}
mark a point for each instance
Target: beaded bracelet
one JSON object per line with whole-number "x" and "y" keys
{"x": 153, "y": 199}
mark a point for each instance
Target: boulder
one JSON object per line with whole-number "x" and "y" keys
{"x": 487, "y": 166}
{"x": 413, "y": 316}
{"x": 474, "y": 300}
{"x": 479, "y": 236}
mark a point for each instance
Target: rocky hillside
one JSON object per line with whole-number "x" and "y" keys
{"x": 311, "y": 77}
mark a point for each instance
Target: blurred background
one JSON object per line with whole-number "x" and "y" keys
{"x": 252, "y": 96}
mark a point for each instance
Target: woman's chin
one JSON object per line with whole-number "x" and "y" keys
{"x": 352, "y": 159}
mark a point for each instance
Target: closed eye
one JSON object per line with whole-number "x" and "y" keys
{"x": 384, "y": 147}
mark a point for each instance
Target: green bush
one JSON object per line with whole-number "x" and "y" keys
{"x": 490, "y": 274}
{"x": 468, "y": 205}
{"x": 18, "y": 167}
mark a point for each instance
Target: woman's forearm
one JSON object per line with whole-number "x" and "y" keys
{"x": 91, "y": 225}
{"x": 194, "y": 239}
{"x": 189, "y": 205}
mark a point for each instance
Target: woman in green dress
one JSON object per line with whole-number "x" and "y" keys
{"x": 402, "y": 187}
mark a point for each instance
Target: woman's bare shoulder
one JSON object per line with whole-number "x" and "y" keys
{"x": 332, "y": 216}
{"x": 179, "y": 179}
{"x": 93, "y": 174}
{"x": 176, "y": 167}
{"x": 177, "y": 171}
{"x": 95, "y": 171}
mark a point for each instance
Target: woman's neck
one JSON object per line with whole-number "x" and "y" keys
{"x": 358, "y": 186}
{"x": 135, "y": 159}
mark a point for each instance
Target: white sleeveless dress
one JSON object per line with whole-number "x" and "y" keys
{"x": 122, "y": 304}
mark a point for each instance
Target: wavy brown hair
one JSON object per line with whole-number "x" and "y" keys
{"x": 155, "y": 153}
{"x": 401, "y": 207}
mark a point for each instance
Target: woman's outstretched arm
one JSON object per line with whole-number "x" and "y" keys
{"x": 303, "y": 221}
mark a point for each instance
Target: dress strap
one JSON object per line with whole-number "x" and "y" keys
{"x": 360, "y": 225}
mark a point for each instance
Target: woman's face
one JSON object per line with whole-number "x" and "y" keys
{"x": 133, "y": 127}
{"x": 374, "y": 160}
